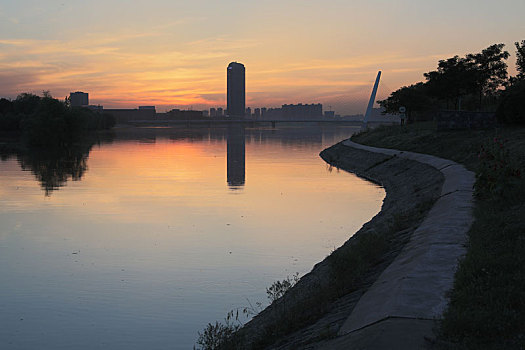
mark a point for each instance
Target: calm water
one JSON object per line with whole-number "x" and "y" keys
{"x": 141, "y": 239}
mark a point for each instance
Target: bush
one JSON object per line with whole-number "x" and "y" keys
{"x": 497, "y": 173}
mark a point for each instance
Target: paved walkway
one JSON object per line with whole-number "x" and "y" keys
{"x": 415, "y": 285}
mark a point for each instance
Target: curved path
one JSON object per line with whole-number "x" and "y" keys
{"x": 400, "y": 307}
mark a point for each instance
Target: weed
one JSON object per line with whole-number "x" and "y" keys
{"x": 278, "y": 288}
{"x": 218, "y": 335}
{"x": 223, "y": 335}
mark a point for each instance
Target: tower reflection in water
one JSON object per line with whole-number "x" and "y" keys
{"x": 236, "y": 156}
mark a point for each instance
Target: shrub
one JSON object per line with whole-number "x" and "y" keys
{"x": 497, "y": 172}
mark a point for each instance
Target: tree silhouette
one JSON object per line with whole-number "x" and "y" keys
{"x": 511, "y": 108}
{"x": 490, "y": 69}
{"x": 414, "y": 98}
{"x": 46, "y": 121}
{"x": 453, "y": 79}
{"x": 473, "y": 77}
{"x": 520, "y": 59}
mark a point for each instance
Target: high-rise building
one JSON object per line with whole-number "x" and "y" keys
{"x": 236, "y": 94}
{"x": 79, "y": 99}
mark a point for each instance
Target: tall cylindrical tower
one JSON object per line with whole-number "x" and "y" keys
{"x": 236, "y": 89}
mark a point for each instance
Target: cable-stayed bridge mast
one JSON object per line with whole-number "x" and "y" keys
{"x": 371, "y": 101}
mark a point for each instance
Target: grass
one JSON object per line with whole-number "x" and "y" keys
{"x": 487, "y": 304}
{"x": 461, "y": 146}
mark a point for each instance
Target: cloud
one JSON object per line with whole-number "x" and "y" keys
{"x": 128, "y": 69}
{"x": 16, "y": 81}
{"x": 222, "y": 44}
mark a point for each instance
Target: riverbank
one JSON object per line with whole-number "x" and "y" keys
{"x": 486, "y": 308}
{"x": 401, "y": 307}
{"x": 312, "y": 313}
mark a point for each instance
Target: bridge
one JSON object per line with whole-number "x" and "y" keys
{"x": 246, "y": 122}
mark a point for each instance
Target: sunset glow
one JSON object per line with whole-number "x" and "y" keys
{"x": 173, "y": 54}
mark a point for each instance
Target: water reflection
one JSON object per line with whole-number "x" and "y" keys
{"x": 150, "y": 246}
{"x": 236, "y": 145}
{"x": 54, "y": 166}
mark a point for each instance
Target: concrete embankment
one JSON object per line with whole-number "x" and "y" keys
{"x": 321, "y": 312}
{"x": 399, "y": 310}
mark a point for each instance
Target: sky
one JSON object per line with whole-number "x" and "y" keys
{"x": 174, "y": 54}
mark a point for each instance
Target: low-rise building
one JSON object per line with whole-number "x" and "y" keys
{"x": 79, "y": 99}
{"x": 302, "y": 112}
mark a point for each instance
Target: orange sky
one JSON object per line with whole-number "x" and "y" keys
{"x": 173, "y": 54}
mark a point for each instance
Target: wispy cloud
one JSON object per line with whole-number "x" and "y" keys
{"x": 118, "y": 72}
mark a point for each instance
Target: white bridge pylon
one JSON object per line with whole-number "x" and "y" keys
{"x": 371, "y": 101}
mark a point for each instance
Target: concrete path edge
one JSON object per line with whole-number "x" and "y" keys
{"x": 416, "y": 283}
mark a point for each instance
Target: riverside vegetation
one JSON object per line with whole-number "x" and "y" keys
{"x": 47, "y": 122}
{"x": 478, "y": 82}
{"x": 49, "y": 137}
{"x": 223, "y": 335}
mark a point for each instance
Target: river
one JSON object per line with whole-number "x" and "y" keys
{"x": 140, "y": 238}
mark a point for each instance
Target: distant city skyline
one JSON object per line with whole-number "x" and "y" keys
{"x": 172, "y": 54}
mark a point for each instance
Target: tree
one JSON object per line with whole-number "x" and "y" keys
{"x": 46, "y": 121}
{"x": 511, "y": 109}
{"x": 520, "y": 59}
{"x": 490, "y": 69}
{"x": 49, "y": 124}
{"x": 6, "y": 106}
{"x": 413, "y": 98}
{"x": 453, "y": 79}
{"x": 26, "y": 103}
{"x": 8, "y": 120}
